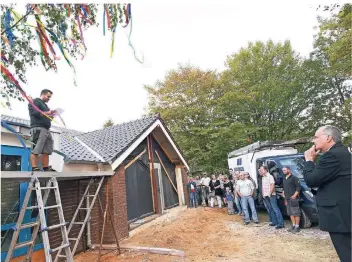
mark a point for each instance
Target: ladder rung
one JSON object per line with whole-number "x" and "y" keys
{"x": 84, "y": 208}
{"x": 72, "y": 239}
{"x": 48, "y": 187}
{"x": 90, "y": 195}
{"x": 57, "y": 248}
{"x": 32, "y": 207}
{"x": 24, "y": 244}
{"x": 78, "y": 223}
{"x": 29, "y": 225}
{"x": 51, "y": 206}
{"x": 54, "y": 226}
{"x": 61, "y": 256}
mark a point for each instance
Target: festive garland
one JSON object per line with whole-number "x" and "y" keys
{"x": 112, "y": 12}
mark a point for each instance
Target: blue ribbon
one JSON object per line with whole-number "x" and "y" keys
{"x": 104, "y": 21}
{"x": 7, "y": 24}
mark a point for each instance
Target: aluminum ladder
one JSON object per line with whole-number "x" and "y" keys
{"x": 88, "y": 210}
{"x": 40, "y": 223}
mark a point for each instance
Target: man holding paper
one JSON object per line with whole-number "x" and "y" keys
{"x": 40, "y": 131}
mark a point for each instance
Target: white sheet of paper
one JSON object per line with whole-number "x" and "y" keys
{"x": 59, "y": 111}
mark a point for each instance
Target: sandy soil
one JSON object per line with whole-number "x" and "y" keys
{"x": 206, "y": 234}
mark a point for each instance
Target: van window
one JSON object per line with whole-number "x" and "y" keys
{"x": 274, "y": 171}
{"x": 296, "y": 165}
{"x": 239, "y": 161}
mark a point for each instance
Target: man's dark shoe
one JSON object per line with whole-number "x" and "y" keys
{"x": 49, "y": 169}
{"x": 246, "y": 223}
{"x": 35, "y": 169}
{"x": 279, "y": 227}
{"x": 256, "y": 222}
{"x": 272, "y": 225}
{"x": 296, "y": 230}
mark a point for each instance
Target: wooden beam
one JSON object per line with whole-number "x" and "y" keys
{"x": 154, "y": 250}
{"x": 135, "y": 159}
{"x": 161, "y": 162}
{"x": 164, "y": 150}
{"x": 151, "y": 171}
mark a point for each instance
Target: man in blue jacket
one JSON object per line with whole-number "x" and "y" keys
{"x": 332, "y": 176}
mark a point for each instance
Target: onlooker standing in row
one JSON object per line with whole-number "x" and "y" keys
{"x": 229, "y": 200}
{"x": 192, "y": 190}
{"x": 205, "y": 181}
{"x": 227, "y": 183}
{"x": 245, "y": 189}
{"x": 269, "y": 195}
{"x": 199, "y": 190}
{"x": 292, "y": 188}
{"x": 237, "y": 177}
{"x": 215, "y": 191}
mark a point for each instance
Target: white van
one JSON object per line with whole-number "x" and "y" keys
{"x": 275, "y": 156}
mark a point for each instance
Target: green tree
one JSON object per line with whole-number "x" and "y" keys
{"x": 265, "y": 91}
{"x": 332, "y": 60}
{"x": 61, "y": 25}
{"x": 186, "y": 100}
{"x": 108, "y": 123}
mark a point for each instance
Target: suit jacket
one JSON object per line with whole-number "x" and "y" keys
{"x": 332, "y": 176}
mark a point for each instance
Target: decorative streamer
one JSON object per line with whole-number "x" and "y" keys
{"x": 6, "y": 73}
{"x": 63, "y": 29}
{"x": 56, "y": 40}
{"x": 104, "y": 21}
{"x": 5, "y": 40}
{"x": 35, "y": 8}
{"x": 80, "y": 30}
{"x": 7, "y": 24}
{"x": 112, "y": 42}
{"x": 82, "y": 15}
{"x": 108, "y": 16}
{"x": 129, "y": 39}
{"x": 3, "y": 57}
{"x": 127, "y": 15}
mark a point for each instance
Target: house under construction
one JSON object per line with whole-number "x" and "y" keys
{"x": 141, "y": 165}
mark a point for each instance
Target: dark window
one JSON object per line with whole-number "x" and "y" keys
{"x": 239, "y": 161}
{"x": 10, "y": 163}
{"x": 296, "y": 165}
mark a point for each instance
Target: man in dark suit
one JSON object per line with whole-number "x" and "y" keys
{"x": 332, "y": 176}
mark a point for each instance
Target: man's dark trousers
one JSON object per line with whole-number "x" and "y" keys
{"x": 342, "y": 244}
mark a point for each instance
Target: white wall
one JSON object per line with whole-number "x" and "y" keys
{"x": 10, "y": 139}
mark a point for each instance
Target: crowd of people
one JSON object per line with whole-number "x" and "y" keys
{"x": 238, "y": 192}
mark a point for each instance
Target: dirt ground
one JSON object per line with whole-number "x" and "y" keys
{"x": 206, "y": 234}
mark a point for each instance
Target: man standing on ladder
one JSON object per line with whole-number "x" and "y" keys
{"x": 40, "y": 131}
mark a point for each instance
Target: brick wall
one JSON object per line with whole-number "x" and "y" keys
{"x": 118, "y": 208}
{"x": 185, "y": 182}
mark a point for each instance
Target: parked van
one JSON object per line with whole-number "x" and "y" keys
{"x": 275, "y": 156}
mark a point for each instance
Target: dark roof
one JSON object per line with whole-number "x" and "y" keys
{"x": 15, "y": 121}
{"x": 109, "y": 142}
{"x": 112, "y": 141}
{"x": 73, "y": 149}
